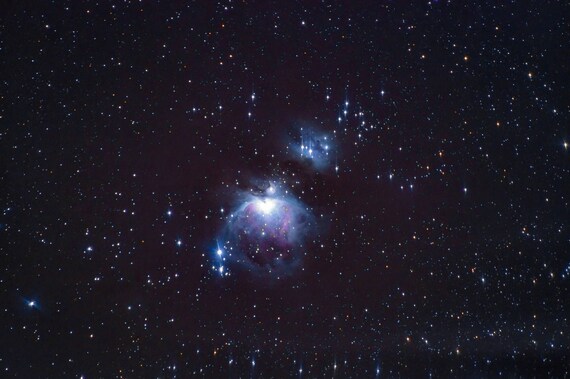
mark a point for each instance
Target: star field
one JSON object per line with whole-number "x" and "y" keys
{"x": 284, "y": 189}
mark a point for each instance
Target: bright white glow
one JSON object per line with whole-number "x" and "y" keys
{"x": 219, "y": 252}
{"x": 266, "y": 206}
{"x": 31, "y": 304}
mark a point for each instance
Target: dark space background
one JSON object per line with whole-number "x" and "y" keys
{"x": 443, "y": 247}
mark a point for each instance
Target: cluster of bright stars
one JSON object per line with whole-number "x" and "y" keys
{"x": 219, "y": 267}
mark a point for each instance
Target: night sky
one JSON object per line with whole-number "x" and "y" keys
{"x": 284, "y": 189}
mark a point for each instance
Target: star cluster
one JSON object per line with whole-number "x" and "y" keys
{"x": 315, "y": 148}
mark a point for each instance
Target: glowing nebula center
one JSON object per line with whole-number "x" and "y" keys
{"x": 267, "y": 234}
{"x": 265, "y": 205}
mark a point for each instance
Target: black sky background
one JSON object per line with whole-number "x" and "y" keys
{"x": 110, "y": 116}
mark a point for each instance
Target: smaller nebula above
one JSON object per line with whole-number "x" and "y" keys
{"x": 265, "y": 234}
{"x": 315, "y": 148}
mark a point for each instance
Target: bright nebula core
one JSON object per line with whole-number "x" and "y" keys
{"x": 267, "y": 233}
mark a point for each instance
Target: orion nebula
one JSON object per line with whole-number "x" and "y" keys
{"x": 266, "y": 233}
